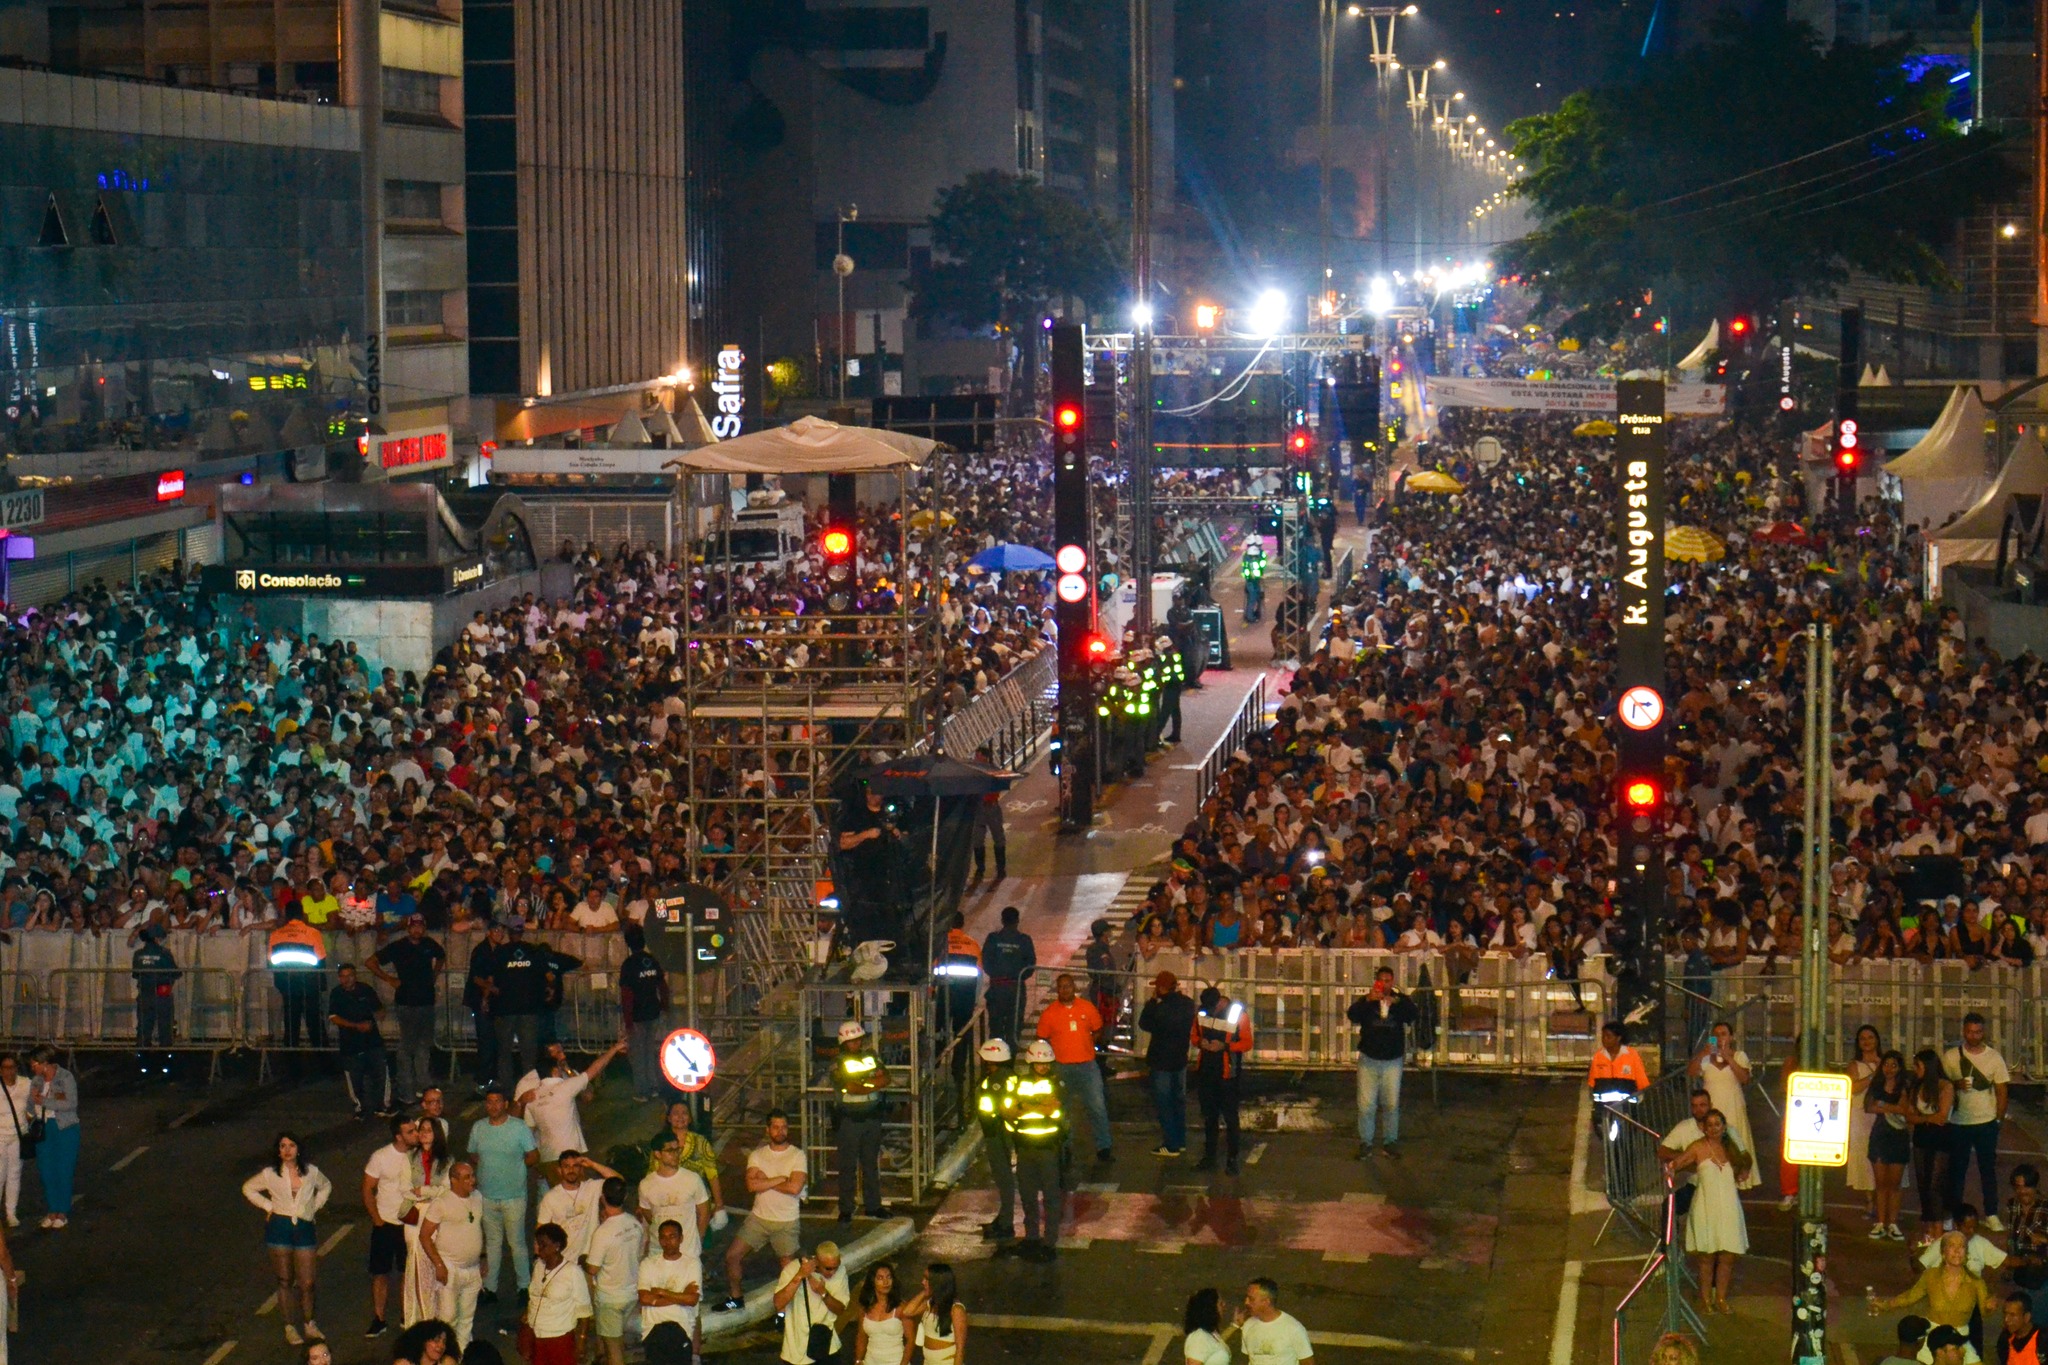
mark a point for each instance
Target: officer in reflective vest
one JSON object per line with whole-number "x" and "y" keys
{"x": 1034, "y": 1116}
{"x": 1253, "y": 567}
{"x": 957, "y": 973}
{"x": 1222, "y": 1036}
{"x": 859, "y": 1079}
{"x": 995, "y": 1140}
{"x": 297, "y": 951}
{"x": 1173, "y": 676}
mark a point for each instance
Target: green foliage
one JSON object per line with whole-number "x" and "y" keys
{"x": 1003, "y": 246}
{"x": 1741, "y": 173}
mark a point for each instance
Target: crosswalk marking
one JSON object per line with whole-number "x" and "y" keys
{"x": 125, "y": 1162}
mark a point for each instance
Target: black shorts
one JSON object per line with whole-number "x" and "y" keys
{"x": 387, "y": 1248}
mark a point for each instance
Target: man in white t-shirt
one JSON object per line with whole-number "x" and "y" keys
{"x": 1271, "y": 1337}
{"x": 671, "y": 1283}
{"x": 452, "y": 1238}
{"x": 672, "y": 1191}
{"x": 387, "y": 1195}
{"x": 548, "y": 1102}
{"x": 1982, "y": 1082}
{"x": 811, "y": 1291}
{"x": 776, "y": 1172}
{"x": 1684, "y": 1134}
{"x": 573, "y": 1204}
{"x": 613, "y": 1262}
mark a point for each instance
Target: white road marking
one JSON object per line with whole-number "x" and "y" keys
{"x": 125, "y": 1162}
{"x": 1567, "y": 1323}
{"x": 221, "y": 1352}
{"x": 179, "y": 1122}
{"x": 1583, "y": 1200}
{"x": 1156, "y": 1352}
{"x": 1258, "y": 1150}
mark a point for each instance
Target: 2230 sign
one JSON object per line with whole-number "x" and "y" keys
{"x": 21, "y": 509}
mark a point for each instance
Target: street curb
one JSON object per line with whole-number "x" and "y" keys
{"x": 952, "y": 1167}
{"x": 874, "y": 1245}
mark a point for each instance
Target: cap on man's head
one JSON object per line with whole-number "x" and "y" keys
{"x": 1944, "y": 1336}
{"x": 1165, "y": 981}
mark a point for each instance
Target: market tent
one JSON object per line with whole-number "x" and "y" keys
{"x": 1972, "y": 538}
{"x": 809, "y": 445}
{"x": 1433, "y": 481}
{"x": 1710, "y": 343}
{"x": 1945, "y": 471}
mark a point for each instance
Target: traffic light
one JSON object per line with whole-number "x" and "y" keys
{"x": 1848, "y": 448}
{"x": 1641, "y": 795}
{"x": 1300, "y": 443}
{"x": 836, "y": 544}
{"x": 1073, "y": 608}
{"x": 1738, "y": 328}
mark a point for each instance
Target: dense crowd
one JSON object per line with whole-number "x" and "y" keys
{"x": 1440, "y": 777}
{"x": 169, "y": 761}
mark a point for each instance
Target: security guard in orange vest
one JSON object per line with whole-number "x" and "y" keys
{"x": 859, "y": 1079}
{"x": 995, "y": 1140}
{"x": 1035, "y": 1118}
{"x": 958, "y": 973}
{"x": 1222, "y": 1035}
{"x": 297, "y": 953}
{"x": 1616, "y": 1069}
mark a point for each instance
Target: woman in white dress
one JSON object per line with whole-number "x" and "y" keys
{"x": 1714, "y": 1227}
{"x": 1869, "y": 1052}
{"x": 884, "y": 1336}
{"x": 1203, "y": 1323}
{"x": 1723, "y": 1069}
{"x": 421, "y": 1290}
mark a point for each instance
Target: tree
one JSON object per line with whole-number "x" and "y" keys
{"x": 1004, "y": 247}
{"x": 1741, "y": 173}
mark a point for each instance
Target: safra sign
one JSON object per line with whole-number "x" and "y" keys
{"x": 729, "y": 390}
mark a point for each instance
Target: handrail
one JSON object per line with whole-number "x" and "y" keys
{"x": 1251, "y": 714}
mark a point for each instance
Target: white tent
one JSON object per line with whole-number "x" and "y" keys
{"x": 1883, "y": 380}
{"x": 1972, "y": 538}
{"x": 1945, "y": 471}
{"x": 809, "y": 445}
{"x": 1867, "y": 378}
{"x": 1711, "y": 342}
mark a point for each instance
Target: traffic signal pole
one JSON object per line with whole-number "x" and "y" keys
{"x": 1073, "y": 535}
{"x": 1848, "y": 442}
{"x": 1641, "y": 711}
{"x": 1809, "y": 1263}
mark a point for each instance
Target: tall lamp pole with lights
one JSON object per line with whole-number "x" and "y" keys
{"x": 842, "y": 266}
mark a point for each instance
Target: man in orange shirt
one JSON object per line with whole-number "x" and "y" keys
{"x": 1072, "y": 1025}
{"x": 1615, "y": 1064}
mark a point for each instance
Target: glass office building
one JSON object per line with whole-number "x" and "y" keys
{"x": 180, "y": 270}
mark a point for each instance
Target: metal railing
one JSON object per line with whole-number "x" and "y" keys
{"x": 1648, "y": 1202}
{"x": 1012, "y": 717}
{"x": 1250, "y": 718}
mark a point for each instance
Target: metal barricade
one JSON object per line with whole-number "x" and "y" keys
{"x": 95, "y": 1009}
{"x": 1249, "y": 720}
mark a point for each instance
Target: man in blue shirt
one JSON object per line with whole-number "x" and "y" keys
{"x": 504, "y": 1149}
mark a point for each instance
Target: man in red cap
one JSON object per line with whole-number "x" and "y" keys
{"x": 1169, "y": 1021}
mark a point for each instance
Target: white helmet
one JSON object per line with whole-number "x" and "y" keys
{"x": 995, "y": 1050}
{"x": 851, "y": 1031}
{"x": 1164, "y": 643}
{"x": 1040, "y": 1051}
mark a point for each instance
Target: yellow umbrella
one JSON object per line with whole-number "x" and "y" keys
{"x": 924, "y": 518}
{"x": 1434, "y": 481}
{"x": 1599, "y": 426}
{"x": 1690, "y": 542}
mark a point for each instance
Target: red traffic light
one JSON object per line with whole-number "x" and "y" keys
{"x": 1098, "y": 647}
{"x": 1299, "y": 441}
{"x": 1738, "y": 326}
{"x": 1640, "y": 795}
{"x": 1067, "y": 416}
{"x": 1847, "y": 459}
{"x": 837, "y": 542}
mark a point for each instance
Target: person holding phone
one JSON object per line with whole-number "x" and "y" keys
{"x": 1383, "y": 1016}
{"x": 1723, "y": 1068}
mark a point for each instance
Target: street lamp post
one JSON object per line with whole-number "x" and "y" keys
{"x": 842, "y": 266}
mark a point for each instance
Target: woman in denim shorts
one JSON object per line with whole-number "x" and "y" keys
{"x": 291, "y": 1192}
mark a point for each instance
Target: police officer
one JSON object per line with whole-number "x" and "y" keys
{"x": 1253, "y": 567}
{"x": 1007, "y": 956}
{"x": 958, "y": 973}
{"x": 1222, "y": 1036}
{"x": 1173, "y": 676}
{"x": 859, "y": 1080}
{"x": 1035, "y": 1119}
{"x": 995, "y": 1139}
{"x": 155, "y": 970}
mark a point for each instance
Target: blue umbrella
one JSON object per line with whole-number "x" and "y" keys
{"x": 1012, "y": 559}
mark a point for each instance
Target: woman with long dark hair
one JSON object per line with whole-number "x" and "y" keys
{"x": 1891, "y": 1141}
{"x": 941, "y": 1317}
{"x": 291, "y": 1191}
{"x": 883, "y": 1337}
{"x": 1863, "y": 1066}
{"x": 1202, "y": 1321}
{"x": 1931, "y": 1097}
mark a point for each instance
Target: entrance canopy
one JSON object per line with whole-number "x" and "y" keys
{"x": 809, "y": 445}
{"x": 1973, "y": 537}
{"x": 1945, "y": 470}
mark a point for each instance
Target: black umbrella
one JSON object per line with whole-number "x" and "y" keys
{"x": 935, "y": 775}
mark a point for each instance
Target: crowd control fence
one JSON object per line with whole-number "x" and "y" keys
{"x": 1249, "y": 720}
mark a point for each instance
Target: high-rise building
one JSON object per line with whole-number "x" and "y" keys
{"x": 409, "y": 349}
{"x": 578, "y": 272}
